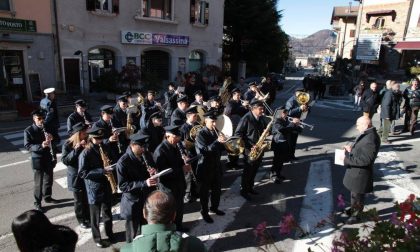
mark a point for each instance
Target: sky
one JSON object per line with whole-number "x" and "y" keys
{"x": 302, "y": 18}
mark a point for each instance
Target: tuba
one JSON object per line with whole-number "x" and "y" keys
{"x": 262, "y": 145}
{"x": 189, "y": 144}
{"x": 224, "y": 91}
{"x": 130, "y": 127}
{"x": 109, "y": 176}
{"x": 302, "y": 97}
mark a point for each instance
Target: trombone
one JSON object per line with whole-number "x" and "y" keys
{"x": 301, "y": 124}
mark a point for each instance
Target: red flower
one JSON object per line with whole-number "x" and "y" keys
{"x": 287, "y": 224}
{"x": 260, "y": 229}
{"x": 340, "y": 201}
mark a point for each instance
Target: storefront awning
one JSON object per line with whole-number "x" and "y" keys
{"x": 408, "y": 45}
{"x": 379, "y": 13}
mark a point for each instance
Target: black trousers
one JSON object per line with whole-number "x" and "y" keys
{"x": 233, "y": 160}
{"x": 249, "y": 172}
{"x": 213, "y": 184}
{"x": 357, "y": 203}
{"x": 43, "y": 180}
{"x": 95, "y": 217}
{"x": 81, "y": 206}
{"x": 132, "y": 228}
{"x": 292, "y": 143}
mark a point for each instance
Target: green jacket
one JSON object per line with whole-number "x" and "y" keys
{"x": 163, "y": 238}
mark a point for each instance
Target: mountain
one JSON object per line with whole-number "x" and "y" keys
{"x": 312, "y": 44}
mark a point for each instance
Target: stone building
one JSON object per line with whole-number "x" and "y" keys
{"x": 344, "y": 20}
{"x": 161, "y": 37}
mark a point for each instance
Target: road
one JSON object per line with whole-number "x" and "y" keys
{"x": 309, "y": 192}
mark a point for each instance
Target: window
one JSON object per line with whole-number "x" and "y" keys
{"x": 111, "y": 6}
{"x": 5, "y": 5}
{"x": 199, "y": 12}
{"x": 352, "y": 33}
{"x": 379, "y": 23}
{"x": 161, "y": 9}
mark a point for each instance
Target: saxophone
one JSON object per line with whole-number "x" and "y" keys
{"x": 261, "y": 145}
{"x": 109, "y": 176}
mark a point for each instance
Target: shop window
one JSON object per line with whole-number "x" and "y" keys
{"x": 196, "y": 61}
{"x": 110, "y": 6}
{"x": 100, "y": 61}
{"x": 199, "y": 12}
{"x": 161, "y": 9}
{"x": 379, "y": 23}
{"x": 5, "y": 5}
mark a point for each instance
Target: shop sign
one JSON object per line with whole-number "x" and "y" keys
{"x": 130, "y": 37}
{"x": 17, "y": 25}
{"x": 145, "y": 38}
{"x": 369, "y": 47}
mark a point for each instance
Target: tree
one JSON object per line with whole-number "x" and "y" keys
{"x": 252, "y": 33}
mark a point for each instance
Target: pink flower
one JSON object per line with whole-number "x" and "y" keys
{"x": 260, "y": 229}
{"x": 287, "y": 224}
{"x": 394, "y": 219}
{"x": 340, "y": 201}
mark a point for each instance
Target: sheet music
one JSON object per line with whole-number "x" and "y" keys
{"x": 339, "y": 157}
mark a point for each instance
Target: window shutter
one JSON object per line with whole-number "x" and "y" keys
{"x": 115, "y": 6}
{"x": 90, "y": 5}
{"x": 206, "y": 14}
{"x": 192, "y": 11}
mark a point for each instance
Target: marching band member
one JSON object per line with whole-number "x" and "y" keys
{"x": 209, "y": 168}
{"x": 168, "y": 155}
{"x": 79, "y": 115}
{"x": 216, "y": 104}
{"x": 135, "y": 183}
{"x": 199, "y": 100}
{"x": 178, "y": 116}
{"x": 119, "y": 120}
{"x": 170, "y": 100}
{"x": 191, "y": 114}
{"x": 71, "y": 152}
{"x": 43, "y": 158}
{"x": 94, "y": 165}
{"x": 250, "y": 128}
{"x": 149, "y": 107}
{"x": 251, "y": 93}
{"x": 282, "y": 132}
{"x": 52, "y": 124}
{"x": 295, "y": 110}
{"x": 154, "y": 130}
{"x": 105, "y": 123}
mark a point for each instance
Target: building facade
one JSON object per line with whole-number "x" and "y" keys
{"x": 160, "y": 37}
{"x": 26, "y": 51}
{"x": 344, "y": 22}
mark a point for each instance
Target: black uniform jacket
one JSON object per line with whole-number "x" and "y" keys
{"x": 119, "y": 119}
{"x": 76, "y": 118}
{"x": 156, "y": 135}
{"x": 70, "y": 157}
{"x": 235, "y": 108}
{"x": 178, "y": 117}
{"x": 147, "y": 109}
{"x": 209, "y": 164}
{"x": 107, "y": 133}
{"x": 250, "y": 129}
{"x": 293, "y": 107}
{"x": 168, "y": 156}
{"x": 91, "y": 169}
{"x": 41, "y": 157}
{"x": 359, "y": 162}
{"x": 370, "y": 101}
{"x": 170, "y": 101}
{"x": 282, "y": 131}
{"x": 132, "y": 175}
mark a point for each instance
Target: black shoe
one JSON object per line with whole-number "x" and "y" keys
{"x": 245, "y": 195}
{"x": 111, "y": 238}
{"x": 252, "y": 191}
{"x": 39, "y": 208}
{"x": 353, "y": 220}
{"x": 85, "y": 225}
{"x": 102, "y": 244}
{"x": 183, "y": 230}
{"x": 51, "y": 200}
{"x": 206, "y": 217}
{"x": 217, "y": 211}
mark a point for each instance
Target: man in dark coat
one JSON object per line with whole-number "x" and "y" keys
{"x": 119, "y": 120}
{"x": 72, "y": 148}
{"x": 43, "y": 158}
{"x": 93, "y": 168}
{"x": 251, "y": 92}
{"x": 268, "y": 87}
{"x": 178, "y": 116}
{"x": 209, "y": 168}
{"x": 390, "y": 110}
{"x": 170, "y": 100}
{"x": 359, "y": 160}
{"x": 79, "y": 115}
{"x": 52, "y": 124}
{"x": 370, "y": 100}
{"x": 135, "y": 183}
{"x": 110, "y": 135}
{"x": 168, "y": 155}
{"x": 412, "y": 106}
{"x": 250, "y": 128}
{"x": 149, "y": 107}
{"x": 154, "y": 130}
{"x": 295, "y": 111}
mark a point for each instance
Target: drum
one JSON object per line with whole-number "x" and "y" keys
{"x": 224, "y": 125}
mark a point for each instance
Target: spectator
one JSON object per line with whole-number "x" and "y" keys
{"x": 390, "y": 110}
{"x": 358, "y": 92}
{"x": 34, "y": 232}
{"x": 370, "y": 100}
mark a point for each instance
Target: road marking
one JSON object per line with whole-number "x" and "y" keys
{"x": 316, "y": 206}
{"x": 62, "y": 182}
{"x": 15, "y": 163}
{"x": 406, "y": 141}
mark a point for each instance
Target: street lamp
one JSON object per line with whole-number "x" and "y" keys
{"x": 82, "y": 88}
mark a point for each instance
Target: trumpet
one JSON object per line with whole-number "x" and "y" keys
{"x": 301, "y": 124}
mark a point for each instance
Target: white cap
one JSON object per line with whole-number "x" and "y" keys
{"x": 49, "y": 90}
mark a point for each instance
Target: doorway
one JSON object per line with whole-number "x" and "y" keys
{"x": 72, "y": 75}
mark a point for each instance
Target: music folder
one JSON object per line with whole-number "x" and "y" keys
{"x": 162, "y": 173}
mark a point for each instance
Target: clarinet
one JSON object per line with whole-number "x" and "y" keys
{"x": 148, "y": 166}
{"x": 53, "y": 158}
{"x": 184, "y": 156}
{"x": 118, "y": 142}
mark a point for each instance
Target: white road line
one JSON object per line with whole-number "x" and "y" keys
{"x": 59, "y": 167}
{"x": 317, "y": 205}
{"x": 231, "y": 203}
{"x": 62, "y": 182}
{"x": 13, "y": 164}
{"x": 406, "y": 141}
